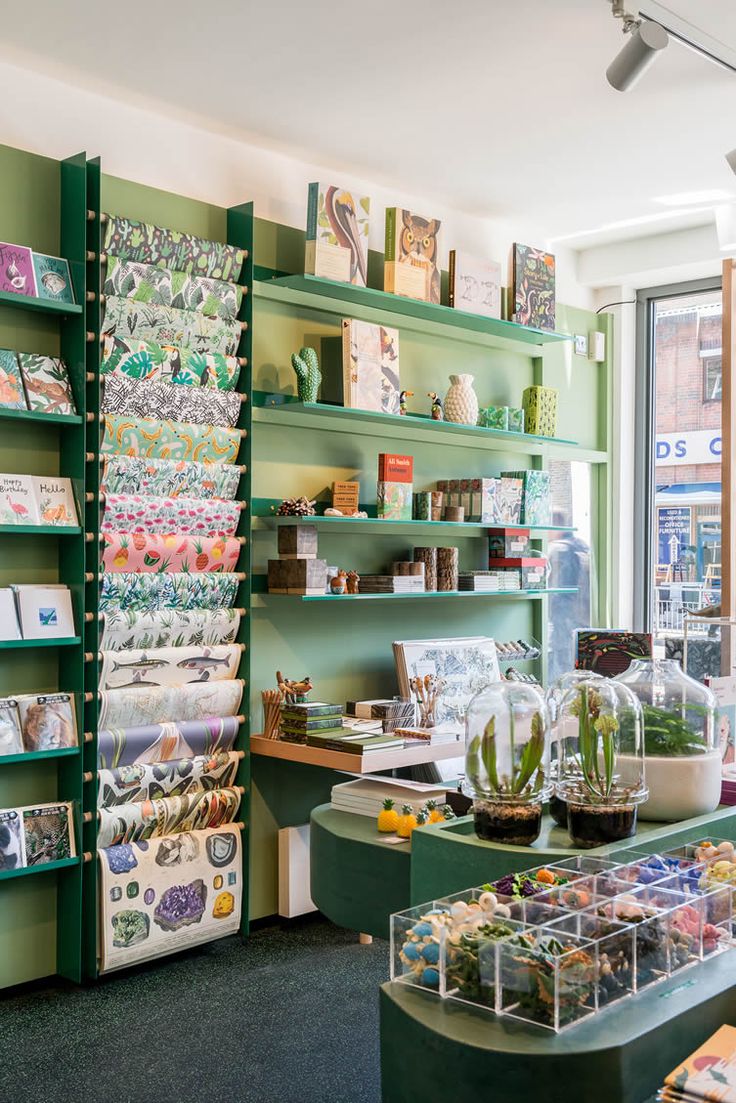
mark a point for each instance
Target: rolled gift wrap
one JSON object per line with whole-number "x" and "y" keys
{"x": 132, "y": 279}
{"x": 169, "y": 478}
{"x": 169, "y": 666}
{"x": 121, "y": 395}
{"x": 146, "y": 593}
{"x": 167, "y": 326}
{"x": 177, "y": 777}
{"x": 127, "y": 630}
{"x": 154, "y": 743}
{"x": 172, "y": 516}
{"x": 157, "y": 552}
{"x": 139, "y": 359}
{"x": 169, "y": 440}
{"x": 128, "y": 823}
{"x": 142, "y": 241}
{"x": 132, "y": 706}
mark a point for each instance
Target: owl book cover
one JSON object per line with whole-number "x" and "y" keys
{"x": 338, "y": 222}
{"x": 370, "y": 366}
{"x": 475, "y": 284}
{"x": 412, "y": 264}
{"x": 532, "y": 287}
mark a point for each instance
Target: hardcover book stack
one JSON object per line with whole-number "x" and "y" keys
{"x": 489, "y": 582}
{"x": 392, "y": 584}
{"x": 301, "y": 720}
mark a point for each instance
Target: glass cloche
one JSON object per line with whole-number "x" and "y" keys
{"x": 507, "y": 761}
{"x": 552, "y": 698}
{"x": 684, "y": 760}
{"x": 601, "y": 774}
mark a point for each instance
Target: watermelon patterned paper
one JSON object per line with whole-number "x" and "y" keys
{"x": 168, "y": 440}
{"x": 142, "y": 241}
{"x": 155, "y": 552}
{"x": 163, "y": 400}
{"x": 145, "y": 593}
{"x": 156, "y": 363}
{"x": 168, "y": 326}
{"x": 140, "y": 513}
{"x": 148, "y": 283}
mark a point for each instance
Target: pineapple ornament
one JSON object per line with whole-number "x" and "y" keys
{"x": 407, "y": 822}
{"x": 388, "y": 817}
{"x": 421, "y": 817}
{"x": 461, "y": 401}
{"x": 433, "y": 812}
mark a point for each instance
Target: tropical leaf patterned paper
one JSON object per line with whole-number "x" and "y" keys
{"x": 141, "y": 513}
{"x": 146, "y": 593}
{"x": 168, "y": 364}
{"x": 47, "y": 385}
{"x": 163, "y": 742}
{"x": 127, "y": 630}
{"x": 150, "y": 552}
{"x": 12, "y": 395}
{"x": 148, "y": 283}
{"x": 169, "y": 478}
{"x": 169, "y": 666}
{"x": 167, "y": 326}
{"x": 129, "y": 707}
{"x": 127, "y": 823}
{"x": 122, "y": 395}
{"x": 142, "y": 241}
{"x": 152, "y": 780}
{"x": 168, "y": 440}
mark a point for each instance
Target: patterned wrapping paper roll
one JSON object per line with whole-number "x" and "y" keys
{"x": 172, "y": 516}
{"x": 193, "y": 894}
{"x": 149, "y": 244}
{"x": 151, "y": 743}
{"x": 169, "y": 478}
{"x": 130, "y": 279}
{"x": 168, "y": 364}
{"x": 169, "y": 666}
{"x": 126, "y": 631}
{"x": 128, "y": 823}
{"x": 167, "y": 326}
{"x": 132, "y": 706}
{"x": 146, "y": 593}
{"x": 175, "y": 778}
{"x": 121, "y": 395}
{"x": 150, "y": 438}
{"x": 150, "y": 552}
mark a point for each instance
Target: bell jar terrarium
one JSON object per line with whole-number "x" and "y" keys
{"x": 552, "y": 699}
{"x": 507, "y": 762}
{"x": 683, "y": 761}
{"x": 599, "y": 717}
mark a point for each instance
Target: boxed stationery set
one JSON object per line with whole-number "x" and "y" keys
{"x": 536, "y": 498}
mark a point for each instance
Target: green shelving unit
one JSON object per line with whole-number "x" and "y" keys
{"x": 40, "y": 306}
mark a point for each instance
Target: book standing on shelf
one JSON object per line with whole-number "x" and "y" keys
{"x": 412, "y": 263}
{"x": 474, "y": 284}
{"x": 395, "y": 483}
{"x": 337, "y": 235}
{"x": 370, "y": 358}
{"x": 532, "y": 299}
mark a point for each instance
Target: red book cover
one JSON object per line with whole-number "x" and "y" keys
{"x": 395, "y": 469}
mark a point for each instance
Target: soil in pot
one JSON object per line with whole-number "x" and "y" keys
{"x": 513, "y": 824}
{"x": 558, "y": 810}
{"x": 594, "y": 826}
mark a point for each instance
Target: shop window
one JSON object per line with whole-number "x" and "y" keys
{"x": 571, "y": 562}
{"x": 712, "y": 377}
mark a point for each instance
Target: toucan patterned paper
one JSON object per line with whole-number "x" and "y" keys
{"x": 140, "y": 359}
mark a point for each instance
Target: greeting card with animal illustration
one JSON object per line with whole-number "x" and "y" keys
{"x": 12, "y": 395}
{"x": 11, "y": 740}
{"x": 47, "y": 384}
{"x": 412, "y": 255}
{"x": 370, "y": 354}
{"x": 55, "y": 500}
{"x": 48, "y": 721}
{"x": 533, "y": 287}
{"x": 475, "y": 284}
{"x": 16, "y": 270}
{"x": 709, "y": 1072}
{"x": 48, "y": 833}
{"x": 18, "y": 505}
{"x": 44, "y": 611}
{"x": 53, "y": 279}
{"x": 337, "y": 234}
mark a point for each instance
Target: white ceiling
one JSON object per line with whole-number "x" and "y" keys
{"x": 494, "y": 107}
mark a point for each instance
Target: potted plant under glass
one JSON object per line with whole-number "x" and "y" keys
{"x": 552, "y": 699}
{"x": 597, "y": 717}
{"x": 507, "y": 762}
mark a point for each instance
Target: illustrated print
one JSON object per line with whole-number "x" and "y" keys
{"x": 418, "y": 246}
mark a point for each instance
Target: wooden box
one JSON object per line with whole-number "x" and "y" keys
{"x": 298, "y": 541}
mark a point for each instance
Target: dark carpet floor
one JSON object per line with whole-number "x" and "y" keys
{"x": 289, "y": 1016}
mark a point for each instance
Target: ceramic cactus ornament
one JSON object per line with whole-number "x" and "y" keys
{"x": 306, "y": 365}
{"x": 461, "y": 401}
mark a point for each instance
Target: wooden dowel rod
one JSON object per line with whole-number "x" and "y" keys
{"x": 243, "y": 467}
{"x": 103, "y": 298}
{"x": 240, "y": 825}
{"x": 88, "y": 737}
{"x": 246, "y": 254}
{"x": 243, "y": 432}
{"x": 90, "y": 296}
{"x": 243, "y": 326}
{"x": 87, "y": 856}
{"x": 241, "y": 576}
{"x": 91, "y": 255}
{"x": 89, "y": 537}
{"x": 89, "y": 656}
{"x": 243, "y": 361}
{"x": 240, "y": 719}
{"x": 91, "y": 215}
{"x": 87, "y": 776}
{"x": 104, "y": 218}
{"x": 89, "y": 496}
{"x": 87, "y": 817}
{"x": 240, "y": 754}
{"x": 89, "y": 697}
{"x": 89, "y": 617}
{"x": 241, "y": 539}
{"x": 89, "y": 576}
{"x": 242, "y": 612}
{"x": 243, "y": 397}
{"x": 89, "y": 457}
{"x": 103, "y": 258}
{"x": 89, "y": 376}
{"x": 90, "y": 335}
{"x": 240, "y": 788}
{"x": 244, "y": 289}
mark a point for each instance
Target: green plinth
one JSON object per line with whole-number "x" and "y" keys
{"x": 430, "y": 1047}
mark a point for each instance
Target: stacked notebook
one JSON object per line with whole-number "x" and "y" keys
{"x": 365, "y": 796}
{"x": 353, "y": 741}
{"x": 489, "y": 581}
{"x": 708, "y": 1074}
{"x": 300, "y": 721}
{"x": 391, "y": 584}
{"x": 391, "y": 713}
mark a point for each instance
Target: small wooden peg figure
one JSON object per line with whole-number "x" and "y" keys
{"x": 402, "y": 400}
{"x": 437, "y": 412}
{"x": 353, "y": 579}
{"x": 293, "y": 692}
{"x": 338, "y": 584}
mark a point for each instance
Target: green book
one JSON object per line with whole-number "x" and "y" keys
{"x": 320, "y": 723}
{"x": 290, "y": 729}
{"x": 309, "y": 710}
{"x": 355, "y": 746}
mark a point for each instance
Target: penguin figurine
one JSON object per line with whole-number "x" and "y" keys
{"x": 402, "y": 400}
{"x": 437, "y": 411}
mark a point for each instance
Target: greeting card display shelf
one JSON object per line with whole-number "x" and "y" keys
{"x": 42, "y": 306}
{"x": 36, "y": 415}
{"x": 40, "y": 530}
{"x": 45, "y": 867}
{"x": 371, "y": 763}
{"x": 260, "y": 580}
{"x": 54, "y": 641}
{"x": 39, "y": 756}
{"x": 396, "y": 310}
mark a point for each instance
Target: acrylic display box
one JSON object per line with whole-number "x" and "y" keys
{"x": 556, "y": 944}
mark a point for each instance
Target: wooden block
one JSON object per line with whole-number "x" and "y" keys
{"x": 297, "y": 541}
{"x": 297, "y": 576}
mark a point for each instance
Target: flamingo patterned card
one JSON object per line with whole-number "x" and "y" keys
{"x": 55, "y": 500}
{"x": 337, "y": 234}
{"x": 12, "y": 395}
{"x": 16, "y": 270}
{"x": 18, "y": 504}
{"x": 47, "y": 385}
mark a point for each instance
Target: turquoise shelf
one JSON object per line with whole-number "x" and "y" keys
{"x": 263, "y": 518}
{"x": 320, "y": 294}
{"x": 35, "y": 415}
{"x": 424, "y": 594}
{"x": 38, "y": 756}
{"x": 45, "y": 867}
{"x": 40, "y": 530}
{"x": 41, "y": 306}
{"x": 58, "y": 641}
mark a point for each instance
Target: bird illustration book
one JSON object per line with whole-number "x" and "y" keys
{"x": 412, "y": 266}
{"x": 370, "y": 356}
{"x": 532, "y": 287}
{"x": 337, "y": 234}
{"x": 475, "y": 284}
{"x": 47, "y": 384}
{"x": 18, "y": 505}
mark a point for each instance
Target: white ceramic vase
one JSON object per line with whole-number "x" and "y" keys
{"x": 461, "y": 401}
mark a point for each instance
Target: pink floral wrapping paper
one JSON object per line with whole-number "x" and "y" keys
{"x": 188, "y": 516}
{"x": 172, "y": 552}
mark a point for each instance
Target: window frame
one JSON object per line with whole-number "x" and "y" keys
{"x": 705, "y": 360}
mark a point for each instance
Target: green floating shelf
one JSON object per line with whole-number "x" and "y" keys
{"x": 40, "y": 530}
{"x": 35, "y": 415}
{"x": 41, "y": 306}
{"x": 37, "y": 756}
{"x": 45, "y": 867}
{"x": 317, "y": 293}
{"x": 57, "y": 641}
{"x": 393, "y": 528}
{"x": 435, "y": 594}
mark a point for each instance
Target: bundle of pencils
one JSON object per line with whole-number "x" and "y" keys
{"x": 272, "y": 699}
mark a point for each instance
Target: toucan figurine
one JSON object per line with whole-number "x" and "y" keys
{"x": 437, "y": 411}
{"x": 402, "y": 400}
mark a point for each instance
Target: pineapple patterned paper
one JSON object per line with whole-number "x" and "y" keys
{"x": 177, "y": 552}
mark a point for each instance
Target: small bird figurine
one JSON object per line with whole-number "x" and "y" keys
{"x": 402, "y": 400}
{"x": 437, "y": 411}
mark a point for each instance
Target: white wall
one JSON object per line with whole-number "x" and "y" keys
{"x": 57, "y": 119}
